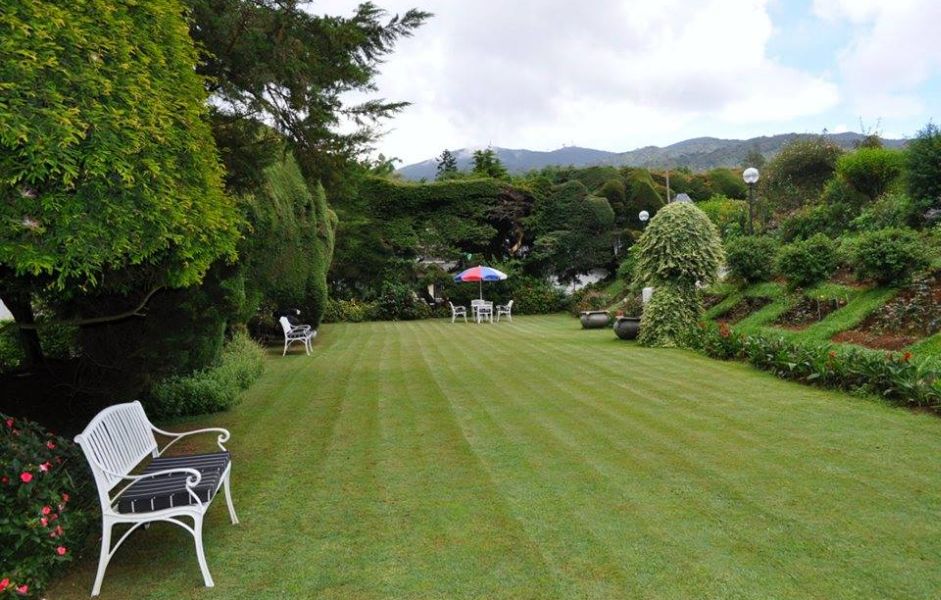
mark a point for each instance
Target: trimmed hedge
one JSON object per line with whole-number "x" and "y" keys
{"x": 209, "y": 390}
{"x": 894, "y": 376}
{"x": 752, "y": 258}
{"x": 889, "y": 256}
{"x": 808, "y": 261}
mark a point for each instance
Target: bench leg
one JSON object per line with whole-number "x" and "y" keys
{"x": 104, "y": 557}
{"x": 228, "y": 499}
{"x": 285, "y": 348}
{"x": 200, "y": 554}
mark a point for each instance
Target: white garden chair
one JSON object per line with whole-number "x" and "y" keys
{"x": 484, "y": 312}
{"x": 458, "y": 311}
{"x": 506, "y": 310}
{"x": 296, "y": 333}
{"x": 116, "y": 441}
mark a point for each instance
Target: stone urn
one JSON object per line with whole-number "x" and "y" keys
{"x": 595, "y": 319}
{"x": 627, "y": 328}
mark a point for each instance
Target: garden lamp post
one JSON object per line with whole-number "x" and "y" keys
{"x": 644, "y": 216}
{"x": 750, "y": 175}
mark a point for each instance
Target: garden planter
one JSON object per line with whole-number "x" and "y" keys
{"x": 627, "y": 328}
{"x": 595, "y": 319}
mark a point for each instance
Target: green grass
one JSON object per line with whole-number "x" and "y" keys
{"x": 537, "y": 460}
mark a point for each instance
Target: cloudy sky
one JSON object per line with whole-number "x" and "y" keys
{"x": 620, "y": 74}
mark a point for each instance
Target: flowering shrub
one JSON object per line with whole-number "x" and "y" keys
{"x": 892, "y": 375}
{"x": 45, "y": 509}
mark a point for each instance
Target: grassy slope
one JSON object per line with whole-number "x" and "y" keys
{"x": 536, "y": 460}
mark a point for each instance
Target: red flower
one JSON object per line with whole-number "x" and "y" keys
{"x": 43, "y": 521}
{"x": 22, "y": 590}
{"x": 45, "y": 466}
{"x": 53, "y": 516}
{"x": 4, "y": 480}
{"x": 65, "y": 497}
{"x": 4, "y": 583}
{"x": 26, "y": 476}
{"x": 10, "y": 425}
{"x": 61, "y": 550}
{"x": 56, "y": 532}
{"x": 724, "y": 330}
{"x": 51, "y": 445}
{"x": 907, "y": 356}
{"x": 46, "y": 510}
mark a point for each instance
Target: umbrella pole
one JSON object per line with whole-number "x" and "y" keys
{"x": 480, "y": 284}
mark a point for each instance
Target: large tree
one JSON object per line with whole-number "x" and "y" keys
{"x": 277, "y": 62}
{"x": 109, "y": 177}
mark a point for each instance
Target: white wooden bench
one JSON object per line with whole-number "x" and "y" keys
{"x": 116, "y": 441}
{"x": 296, "y": 333}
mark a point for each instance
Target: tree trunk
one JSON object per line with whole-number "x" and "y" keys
{"x": 22, "y": 311}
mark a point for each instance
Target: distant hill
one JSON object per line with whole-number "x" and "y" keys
{"x": 697, "y": 154}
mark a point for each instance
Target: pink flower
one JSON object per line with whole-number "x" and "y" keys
{"x": 65, "y": 497}
{"x": 56, "y": 532}
{"x": 51, "y": 445}
{"x": 53, "y": 517}
{"x": 43, "y": 521}
{"x": 4, "y": 480}
{"x": 10, "y": 425}
{"x": 22, "y": 590}
{"x": 26, "y": 476}
{"x": 61, "y": 550}
{"x": 45, "y": 466}
{"x": 46, "y": 510}
{"x": 4, "y": 583}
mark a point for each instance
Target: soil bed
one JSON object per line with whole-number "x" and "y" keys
{"x": 742, "y": 309}
{"x": 809, "y": 311}
{"x": 913, "y": 314}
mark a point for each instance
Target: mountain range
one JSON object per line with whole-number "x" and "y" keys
{"x": 697, "y": 154}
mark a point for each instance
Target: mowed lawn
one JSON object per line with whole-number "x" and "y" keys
{"x": 536, "y": 460}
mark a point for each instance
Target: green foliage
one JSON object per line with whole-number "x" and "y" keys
{"x": 889, "y": 210}
{"x": 843, "y": 197}
{"x": 627, "y": 270}
{"x": 797, "y": 174}
{"x": 399, "y": 302}
{"x": 279, "y": 63}
{"x": 46, "y": 505}
{"x": 670, "y": 316}
{"x": 616, "y": 194}
{"x": 534, "y": 296}
{"x": 729, "y": 216}
{"x": 828, "y": 219}
{"x": 487, "y": 164}
{"x": 572, "y": 231}
{"x": 106, "y": 159}
{"x": 751, "y": 258}
{"x": 447, "y": 165}
{"x": 890, "y": 375}
{"x": 808, "y": 261}
{"x": 209, "y": 390}
{"x": 11, "y": 352}
{"x": 349, "y": 311}
{"x": 924, "y": 168}
{"x": 641, "y": 195}
{"x": 285, "y": 258}
{"x": 728, "y": 183}
{"x": 589, "y": 298}
{"x": 680, "y": 246}
{"x": 889, "y": 256}
{"x": 871, "y": 171}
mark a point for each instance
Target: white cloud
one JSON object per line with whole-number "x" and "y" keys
{"x": 611, "y": 74}
{"x": 895, "y": 48}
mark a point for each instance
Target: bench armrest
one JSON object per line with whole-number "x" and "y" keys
{"x": 191, "y": 482}
{"x": 223, "y": 436}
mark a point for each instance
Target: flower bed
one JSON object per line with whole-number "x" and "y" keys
{"x": 45, "y": 508}
{"x": 891, "y": 375}
{"x": 742, "y": 309}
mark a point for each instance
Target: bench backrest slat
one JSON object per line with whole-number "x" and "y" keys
{"x": 118, "y": 439}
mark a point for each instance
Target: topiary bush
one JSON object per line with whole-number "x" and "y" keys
{"x": 808, "y": 261}
{"x": 209, "y": 390}
{"x": 889, "y": 256}
{"x": 751, "y": 258}
{"x": 680, "y": 248}
{"x": 730, "y": 216}
{"x": 46, "y": 506}
{"x": 670, "y": 316}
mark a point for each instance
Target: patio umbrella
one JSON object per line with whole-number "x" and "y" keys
{"x": 480, "y": 274}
